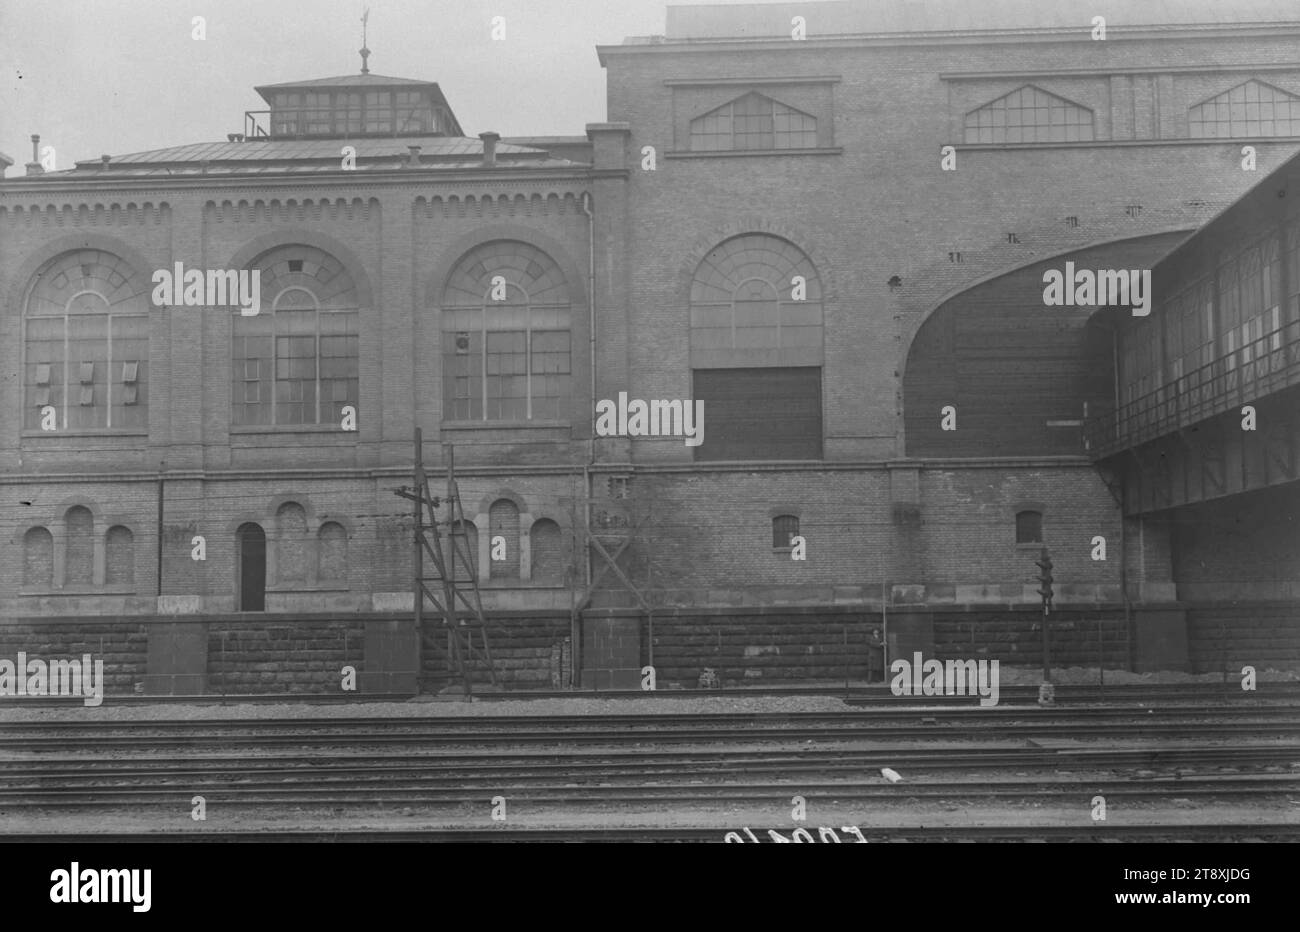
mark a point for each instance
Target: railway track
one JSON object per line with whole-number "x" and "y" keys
{"x": 1263, "y": 831}
{"x": 1197, "y": 722}
{"x": 1229, "y": 691}
{"x": 586, "y": 767}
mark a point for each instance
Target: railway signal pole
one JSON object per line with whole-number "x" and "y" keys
{"x": 428, "y": 542}
{"x": 1046, "y": 692}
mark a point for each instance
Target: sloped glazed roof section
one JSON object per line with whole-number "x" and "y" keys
{"x": 313, "y": 155}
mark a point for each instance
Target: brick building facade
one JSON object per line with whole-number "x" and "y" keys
{"x": 765, "y": 223}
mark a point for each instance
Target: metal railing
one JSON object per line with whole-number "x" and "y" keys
{"x": 1260, "y": 367}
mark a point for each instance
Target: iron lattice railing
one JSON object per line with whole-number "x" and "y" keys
{"x": 1261, "y": 367}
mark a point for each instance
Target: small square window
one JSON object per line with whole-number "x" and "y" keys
{"x": 130, "y": 372}
{"x": 784, "y": 529}
{"x": 1029, "y": 527}
{"x": 43, "y": 373}
{"x": 130, "y": 394}
{"x": 87, "y": 374}
{"x": 87, "y": 395}
{"x": 42, "y": 396}
{"x": 295, "y": 265}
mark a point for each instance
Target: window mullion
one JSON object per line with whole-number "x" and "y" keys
{"x": 317, "y": 351}
{"x": 67, "y": 352}
{"x": 108, "y": 378}
{"x": 528, "y": 362}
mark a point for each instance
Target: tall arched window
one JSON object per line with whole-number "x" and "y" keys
{"x": 250, "y": 542}
{"x": 332, "y": 554}
{"x": 87, "y": 343}
{"x": 79, "y": 562}
{"x": 503, "y": 518}
{"x": 291, "y": 552}
{"x": 465, "y": 541}
{"x": 505, "y": 332}
{"x": 547, "y": 551}
{"x": 119, "y": 556}
{"x": 756, "y": 350}
{"x": 298, "y": 361}
{"x": 38, "y": 559}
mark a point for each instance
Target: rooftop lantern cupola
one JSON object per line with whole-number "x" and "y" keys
{"x": 352, "y": 106}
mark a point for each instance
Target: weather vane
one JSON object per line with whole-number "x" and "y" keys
{"x": 365, "y": 52}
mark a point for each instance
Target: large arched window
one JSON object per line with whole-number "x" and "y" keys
{"x": 505, "y": 332}
{"x": 87, "y": 343}
{"x": 756, "y": 350}
{"x": 297, "y": 362}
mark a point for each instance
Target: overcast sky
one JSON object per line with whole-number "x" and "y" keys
{"x": 118, "y": 76}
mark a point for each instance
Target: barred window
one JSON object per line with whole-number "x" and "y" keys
{"x": 507, "y": 353}
{"x": 1250, "y": 109}
{"x": 298, "y": 361}
{"x": 753, "y": 122}
{"x": 1029, "y": 114}
{"x": 784, "y": 529}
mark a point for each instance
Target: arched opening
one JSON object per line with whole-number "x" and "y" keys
{"x": 251, "y": 542}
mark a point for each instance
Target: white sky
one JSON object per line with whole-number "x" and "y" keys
{"x": 118, "y": 76}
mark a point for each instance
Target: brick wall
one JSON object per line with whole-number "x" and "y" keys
{"x": 122, "y": 644}
{"x": 261, "y": 656}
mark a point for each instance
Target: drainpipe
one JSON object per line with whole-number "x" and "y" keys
{"x": 574, "y": 634}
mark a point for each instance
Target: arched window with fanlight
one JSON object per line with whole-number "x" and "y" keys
{"x": 506, "y": 342}
{"x": 756, "y": 350}
{"x": 86, "y": 339}
{"x": 298, "y": 361}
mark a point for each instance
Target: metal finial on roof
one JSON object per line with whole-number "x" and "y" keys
{"x": 365, "y": 52}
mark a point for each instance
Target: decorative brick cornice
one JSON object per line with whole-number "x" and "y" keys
{"x": 86, "y": 214}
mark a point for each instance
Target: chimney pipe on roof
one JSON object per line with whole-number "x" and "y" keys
{"x": 490, "y": 141}
{"x": 104, "y": 160}
{"x": 34, "y": 167}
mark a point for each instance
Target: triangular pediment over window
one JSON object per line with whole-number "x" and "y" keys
{"x": 1029, "y": 114}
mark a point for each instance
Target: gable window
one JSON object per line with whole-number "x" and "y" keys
{"x": 784, "y": 529}
{"x": 1029, "y": 527}
{"x": 1250, "y": 109}
{"x": 1029, "y": 115}
{"x": 753, "y": 122}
